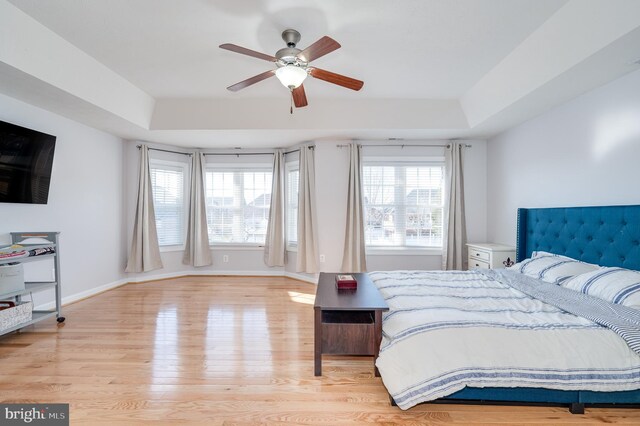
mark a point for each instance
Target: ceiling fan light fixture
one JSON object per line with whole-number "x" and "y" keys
{"x": 291, "y": 76}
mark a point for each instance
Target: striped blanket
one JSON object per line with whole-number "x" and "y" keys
{"x": 448, "y": 330}
{"x": 622, "y": 320}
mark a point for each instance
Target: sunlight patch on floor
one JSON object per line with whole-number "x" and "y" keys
{"x": 307, "y": 299}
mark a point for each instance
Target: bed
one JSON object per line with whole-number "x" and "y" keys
{"x": 547, "y": 355}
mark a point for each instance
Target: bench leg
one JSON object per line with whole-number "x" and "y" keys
{"x": 576, "y": 408}
{"x": 317, "y": 342}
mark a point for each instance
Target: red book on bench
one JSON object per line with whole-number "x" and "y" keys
{"x": 344, "y": 282}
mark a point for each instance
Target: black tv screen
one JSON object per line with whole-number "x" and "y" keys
{"x": 26, "y": 158}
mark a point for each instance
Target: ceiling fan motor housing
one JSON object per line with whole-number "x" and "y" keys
{"x": 289, "y": 56}
{"x": 291, "y": 37}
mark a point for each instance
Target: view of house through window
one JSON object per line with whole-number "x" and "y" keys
{"x": 238, "y": 202}
{"x": 403, "y": 204}
{"x": 168, "y": 186}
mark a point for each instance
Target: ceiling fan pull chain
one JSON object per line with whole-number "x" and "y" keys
{"x": 291, "y": 109}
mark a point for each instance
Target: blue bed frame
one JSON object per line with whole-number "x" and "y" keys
{"x": 605, "y": 235}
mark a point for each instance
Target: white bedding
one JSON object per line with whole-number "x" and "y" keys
{"x": 448, "y": 330}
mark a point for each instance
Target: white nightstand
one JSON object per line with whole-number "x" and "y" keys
{"x": 489, "y": 255}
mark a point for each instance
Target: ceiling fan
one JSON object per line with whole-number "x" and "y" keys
{"x": 293, "y": 66}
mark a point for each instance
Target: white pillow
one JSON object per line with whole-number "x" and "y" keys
{"x": 535, "y": 254}
{"x": 616, "y": 285}
{"x": 552, "y": 268}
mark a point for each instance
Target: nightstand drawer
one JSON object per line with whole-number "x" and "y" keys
{"x": 474, "y": 263}
{"x": 489, "y": 255}
{"x": 479, "y": 254}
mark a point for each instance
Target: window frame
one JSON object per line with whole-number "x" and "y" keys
{"x": 290, "y": 166}
{"x": 395, "y": 161}
{"x": 186, "y": 179}
{"x": 248, "y": 167}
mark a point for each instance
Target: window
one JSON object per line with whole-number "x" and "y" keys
{"x": 168, "y": 184}
{"x": 293, "y": 177}
{"x": 403, "y": 204}
{"x": 238, "y": 201}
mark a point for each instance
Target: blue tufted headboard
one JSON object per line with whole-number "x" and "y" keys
{"x": 605, "y": 235}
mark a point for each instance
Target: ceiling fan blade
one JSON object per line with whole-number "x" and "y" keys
{"x": 249, "y": 52}
{"x": 340, "y": 80}
{"x": 319, "y": 48}
{"x": 299, "y": 97}
{"x": 253, "y": 80}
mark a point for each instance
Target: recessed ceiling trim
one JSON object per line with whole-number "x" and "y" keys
{"x": 175, "y": 114}
{"x": 32, "y": 48}
{"x": 575, "y": 32}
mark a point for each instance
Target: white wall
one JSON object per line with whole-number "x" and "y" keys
{"x": 585, "y": 152}
{"x": 85, "y": 203}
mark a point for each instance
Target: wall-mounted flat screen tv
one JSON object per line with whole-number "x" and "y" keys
{"x": 26, "y": 158}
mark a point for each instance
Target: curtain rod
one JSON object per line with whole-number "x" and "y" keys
{"x": 238, "y": 153}
{"x": 253, "y": 153}
{"x": 403, "y": 145}
{"x": 223, "y": 153}
{"x": 166, "y": 150}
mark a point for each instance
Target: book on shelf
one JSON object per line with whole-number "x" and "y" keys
{"x": 345, "y": 281}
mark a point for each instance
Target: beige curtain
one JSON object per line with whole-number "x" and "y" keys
{"x": 454, "y": 237}
{"x": 145, "y": 251}
{"x": 197, "y": 251}
{"x": 353, "y": 258}
{"x": 307, "y": 227}
{"x": 274, "y": 247}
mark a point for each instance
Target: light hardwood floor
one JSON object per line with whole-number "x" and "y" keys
{"x": 218, "y": 350}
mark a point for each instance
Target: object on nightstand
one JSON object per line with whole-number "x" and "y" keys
{"x": 507, "y": 263}
{"x": 346, "y": 282}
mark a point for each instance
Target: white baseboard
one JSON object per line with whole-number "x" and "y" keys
{"x": 144, "y": 278}
{"x": 295, "y": 275}
{"x": 313, "y": 279}
{"x": 179, "y": 274}
{"x": 83, "y": 294}
{"x": 96, "y": 290}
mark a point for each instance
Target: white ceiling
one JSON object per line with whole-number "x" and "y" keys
{"x": 152, "y": 69}
{"x": 169, "y": 48}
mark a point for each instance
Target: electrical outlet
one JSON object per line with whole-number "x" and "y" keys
{"x": 225, "y": 258}
{"x": 322, "y": 258}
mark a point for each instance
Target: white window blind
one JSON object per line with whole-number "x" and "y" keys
{"x": 167, "y": 181}
{"x": 238, "y": 202}
{"x": 403, "y": 204}
{"x": 293, "y": 177}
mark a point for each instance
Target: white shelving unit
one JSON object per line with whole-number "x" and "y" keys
{"x": 33, "y": 286}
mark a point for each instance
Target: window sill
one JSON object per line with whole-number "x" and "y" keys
{"x": 234, "y": 247}
{"x": 403, "y": 251}
{"x": 164, "y": 249}
{"x": 226, "y": 247}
